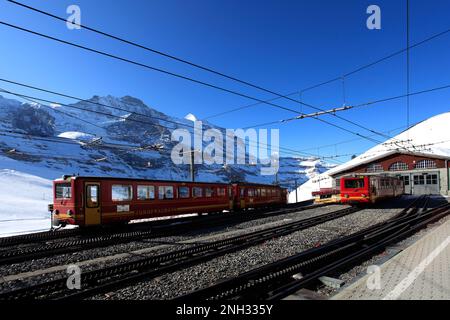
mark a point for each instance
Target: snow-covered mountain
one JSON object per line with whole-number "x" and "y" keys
{"x": 429, "y": 137}
{"x": 124, "y": 138}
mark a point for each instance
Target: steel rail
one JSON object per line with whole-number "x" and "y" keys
{"x": 124, "y": 274}
{"x": 16, "y": 255}
{"x": 275, "y": 280}
{"x": 61, "y": 234}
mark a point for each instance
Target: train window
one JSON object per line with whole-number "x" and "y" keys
{"x": 165, "y": 192}
{"x": 145, "y": 192}
{"x": 263, "y": 192}
{"x": 92, "y": 196}
{"x": 209, "y": 192}
{"x": 251, "y": 192}
{"x": 355, "y": 183}
{"x": 183, "y": 192}
{"x": 230, "y": 192}
{"x": 197, "y": 192}
{"x": 221, "y": 192}
{"x": 121, "y": 192}
{"x": 63, "y": 191}
{"x": 242, "y": 192}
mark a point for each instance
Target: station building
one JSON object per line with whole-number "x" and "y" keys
{"x": 421, "y": 173}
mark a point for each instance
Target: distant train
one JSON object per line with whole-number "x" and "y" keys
{"x": 93, "y": 201}
{"x": 369, "y": 189}
{"x": 327, "y": 195}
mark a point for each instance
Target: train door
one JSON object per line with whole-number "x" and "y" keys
{"x": 92, "y": 208}
{"x": 242, "y": 197}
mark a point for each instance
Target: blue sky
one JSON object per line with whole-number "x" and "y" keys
{"x": 284, "y": 46}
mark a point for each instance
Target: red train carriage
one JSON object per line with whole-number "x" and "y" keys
{"x": 255, "y": 196}
{"x": 370, "y": 189}
{"x": 87, "y": 201}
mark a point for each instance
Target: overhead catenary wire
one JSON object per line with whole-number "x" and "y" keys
{"x": 196, "y": 65}
{"x": 121, "y": 109}
{"x": 186, "y": 78}
{"x": 281, "y": 96}
{"x": 143, "y": 65}
{"x": 365, "y": 104}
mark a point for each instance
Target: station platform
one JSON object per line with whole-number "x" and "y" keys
{"x": 419, "y": 272}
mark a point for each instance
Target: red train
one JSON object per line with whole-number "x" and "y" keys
{"x": 90, "y": 201}
{"x": 370, "y": 189}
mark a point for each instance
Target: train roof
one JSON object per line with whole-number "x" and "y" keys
{"x": 65, "y": 177}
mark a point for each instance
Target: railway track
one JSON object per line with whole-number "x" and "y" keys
{"x": 282, "y": 278}
{"x": 122, "y": 275}
{"x": 167, "y": 225}
{"x": 19, "y": 254}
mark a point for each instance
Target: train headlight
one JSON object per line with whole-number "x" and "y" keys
{"x": 55, "y": 212}
{"x": 363, "y": 195}
{"x": 346, "y": 196}
{"x": 69, "y": 212}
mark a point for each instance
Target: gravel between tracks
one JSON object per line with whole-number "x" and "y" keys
{"x": 161, "y": 245}
{"x": 202, "y": 275}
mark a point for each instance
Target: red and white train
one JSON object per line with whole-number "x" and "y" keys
{"x": 369, "y": 189}
{"x": 93, "y": 201}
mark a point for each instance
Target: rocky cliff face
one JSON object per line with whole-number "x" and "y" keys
{"x": 125, "y": 137}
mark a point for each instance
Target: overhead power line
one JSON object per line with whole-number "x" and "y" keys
{"x": 189, "y": 126}
{"x": 184, "y": 77}
{"x": 283, "y": 149}
{"x": 143, "y": 65}
{"x": 365, "y": 104}
{"x": 147, "y": 48}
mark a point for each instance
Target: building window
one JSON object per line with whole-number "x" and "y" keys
{"x": 432, "y": 179}
{"x": 405, "y": 180}
{"x": 374, "y": 167}
{"x": 338, "y": 183}
{"x": 419, "y": 180}
{"x": 425, "y": 164}
{"x": 145, "y": 192}
{"x": 183, "y": 192}
{"x": 165, "y": 192}
{"x": 398, "y": 166}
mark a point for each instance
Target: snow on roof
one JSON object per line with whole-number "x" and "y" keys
{"x": 430, "y": 138}
{"x": 191, "y": 117}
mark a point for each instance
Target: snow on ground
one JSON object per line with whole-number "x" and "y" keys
{"x": 75, "y": 135}
{"x": 430, "y": 137}
{"x": 23, "y": 202}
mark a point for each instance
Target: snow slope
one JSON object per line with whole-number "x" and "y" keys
{"x": 429, "y": 137}
{"x": 23, "y": 202}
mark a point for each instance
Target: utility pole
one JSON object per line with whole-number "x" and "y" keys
{"x": 296, "y": 191}
{"x": 192, "y": 166}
